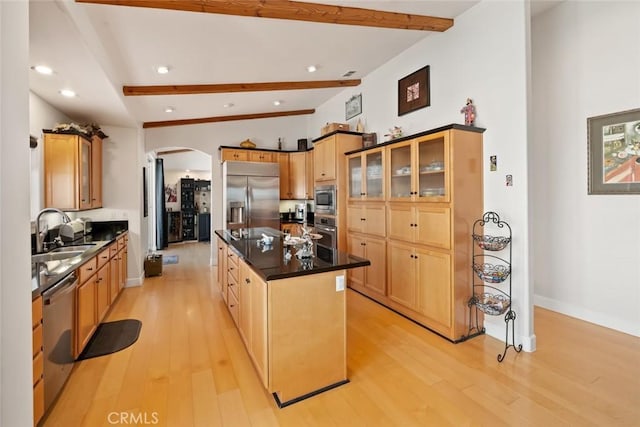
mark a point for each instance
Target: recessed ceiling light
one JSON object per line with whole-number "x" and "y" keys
{"x": 169, "y": 109}
{"x": 276, "y": 102}
{"x": 228, "y": 105}
{"x": 68, "y": 93}
{"x": 162, "y": 69}
{"x": 187, "y": 170}
{"x": 43, "y": 69}
{"x": 311, "y": 68}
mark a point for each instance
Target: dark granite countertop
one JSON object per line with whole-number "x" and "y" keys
{"x": 270, "y": 263}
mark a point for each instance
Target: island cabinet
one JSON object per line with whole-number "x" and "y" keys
{"x": 252, "y": 318}
{"x": 72, "y": 171}
{"x": 433, "y": 194}
{"x": 291, "y": 316}
{"x": 222, "y": 267}
{"x": 38, "y": 361}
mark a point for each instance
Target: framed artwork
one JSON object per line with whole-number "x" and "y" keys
{"x": 614, "y": 153}
{"x": 414, "y": 92}
{"x": 353, "y": 106}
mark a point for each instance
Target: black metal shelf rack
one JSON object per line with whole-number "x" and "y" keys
{"x": 188, "y": 208}
{"x": 491, "y": 264}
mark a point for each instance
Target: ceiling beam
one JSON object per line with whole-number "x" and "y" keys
{"x": 165, "y": 123}
{"x": 297, "y": 11}
{"x": 181, "y": 150}
{"x": 234, "y": 87}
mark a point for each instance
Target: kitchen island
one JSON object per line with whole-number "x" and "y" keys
{"x": 290, "y": 312}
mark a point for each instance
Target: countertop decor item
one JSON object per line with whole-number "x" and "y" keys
{"x": 414, "y": 92}
{"x": 614, "y": 153}
{"x": 247, "y": 143}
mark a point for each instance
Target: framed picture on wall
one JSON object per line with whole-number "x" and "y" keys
{"x": 353, "y": 106}
{"x": 613, "y": 144}
{"x": 414, "y": 91}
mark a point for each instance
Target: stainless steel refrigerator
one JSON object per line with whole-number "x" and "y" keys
{"x": 251, "y": 195}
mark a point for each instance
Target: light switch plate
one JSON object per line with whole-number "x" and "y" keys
{"x": 339, "y": 283}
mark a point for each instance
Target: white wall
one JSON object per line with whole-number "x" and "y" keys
{"x": 483, "y": 57}
{"x": 587, "y": 252}
{"x": 16, "y": 392}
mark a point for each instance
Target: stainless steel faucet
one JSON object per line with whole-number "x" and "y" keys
{"x": 40, "y": 234}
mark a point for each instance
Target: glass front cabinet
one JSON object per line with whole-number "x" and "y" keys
{"x": 419, "y": 169}
{"x": 366, "y": 175}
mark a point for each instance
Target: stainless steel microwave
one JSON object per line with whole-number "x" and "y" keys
{"x": 325, "y": 199}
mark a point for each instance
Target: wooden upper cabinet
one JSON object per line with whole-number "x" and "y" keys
{"x": 308, "y": 158}
{"x": 233, "y": 154}
{"x": 261, "y": 156}
{"x": 96, "y": 172}
{"x": 67, "y": 172}
{"x": 297, "y": 177}
{"x": 285, "y": 190}
{"x": 324, "y": 165}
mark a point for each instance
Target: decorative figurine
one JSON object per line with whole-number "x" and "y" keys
{"x": 469, "y": 111}
{"x": 394, "y": 132}
{"x": 359, "y": 126}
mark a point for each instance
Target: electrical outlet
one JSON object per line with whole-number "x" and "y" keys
{"x": 339, "y": 283}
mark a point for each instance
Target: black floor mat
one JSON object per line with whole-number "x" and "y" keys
{"x": 111, "y": 337}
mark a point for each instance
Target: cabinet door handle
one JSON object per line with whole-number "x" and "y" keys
{"x": 247, "y": 281}
{"x": 89, "y": 269}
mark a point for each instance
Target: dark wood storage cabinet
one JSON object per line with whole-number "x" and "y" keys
{"x": 188, "y": 208}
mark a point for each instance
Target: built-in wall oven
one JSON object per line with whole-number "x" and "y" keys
{"x": 326, "y": 227}
{"x": 325, "y": 199}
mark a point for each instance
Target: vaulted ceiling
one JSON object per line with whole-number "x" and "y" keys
{"x": 225, "y": 59}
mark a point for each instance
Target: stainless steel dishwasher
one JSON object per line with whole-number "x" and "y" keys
{"x": 57, "y": 336}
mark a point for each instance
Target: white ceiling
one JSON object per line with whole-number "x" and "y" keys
{"x": 96, "y": 49}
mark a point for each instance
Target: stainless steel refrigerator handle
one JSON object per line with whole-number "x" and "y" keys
{"x": 66, "y": 286}
{"x": 247, "y": 203}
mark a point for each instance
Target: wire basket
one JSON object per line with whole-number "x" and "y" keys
{"x": 491, "y": 303}
{"x": 492, "y": 273}
{"x": 491, "y": 243}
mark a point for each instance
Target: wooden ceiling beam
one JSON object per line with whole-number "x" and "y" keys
{"x": 166, "y": 123}
{"x": 235, "y": 87}
{"x": 181, "y": 150}
{"x": 297, "y": 11}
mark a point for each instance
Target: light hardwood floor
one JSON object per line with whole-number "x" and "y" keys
{"x": 189, "y": 368}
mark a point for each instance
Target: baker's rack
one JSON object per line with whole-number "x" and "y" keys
{"x": 491, "y": 264}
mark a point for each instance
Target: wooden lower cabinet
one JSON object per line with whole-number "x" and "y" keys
{"x": 419, "y": 279}
{"x": 86, "y": 316}
{"x": 38, "y": 361}
{"x": 294, "y": 229}
{"x": 373, "y": 277}
{"x": 252, "y": 322}
{"x": 103, "y": 300}
{"x": 222, "y": 267}
{"x": 114, "y": 274}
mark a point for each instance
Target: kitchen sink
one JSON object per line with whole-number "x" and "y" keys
{"x": 73, "y": 248}
{"x": 56, "y": 256}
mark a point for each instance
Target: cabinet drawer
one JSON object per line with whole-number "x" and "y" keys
{"x": 103, "y": 258}
{"x": 232, "y": 304}
{"x": 232, "y": 285}
{"x": 88, "y": 269}
{"x": 232, "y": 257}
{"x": 37, "y": 340}
{"x": 122, "y": 242}
{"x": 36, "y": 312}
{"x": 113, "y": 250}
{"x": 37, "y": 367}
